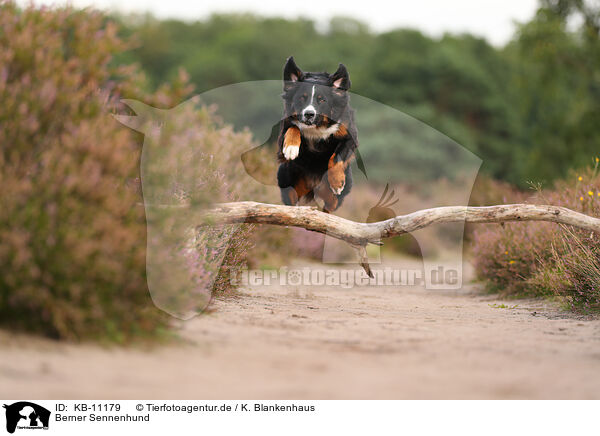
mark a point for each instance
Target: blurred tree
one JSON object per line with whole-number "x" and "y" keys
{"x": 557, "y": 88}
{"x": 529, "y": 110}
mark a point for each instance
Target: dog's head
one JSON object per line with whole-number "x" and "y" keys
{"x": 314, "y": 100}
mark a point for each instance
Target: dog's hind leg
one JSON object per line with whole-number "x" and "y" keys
{"x": 289, "y": 196}
{"x": 330, "y": 200}
{"x": 292, "y": 183}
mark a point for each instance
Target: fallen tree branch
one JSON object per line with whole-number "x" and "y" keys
{"x": 360, "y": 234}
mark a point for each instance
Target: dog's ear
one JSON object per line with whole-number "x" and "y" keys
{"x": 340, "y": 79}
{"x": 291, "y": 72}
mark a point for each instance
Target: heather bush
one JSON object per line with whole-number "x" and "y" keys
{"x": 544, "y": 258}
{"x": 191, "y": 160}
{"x": 72, "y": 231}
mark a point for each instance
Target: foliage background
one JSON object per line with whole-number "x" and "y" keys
{"x": 529, "y": 110}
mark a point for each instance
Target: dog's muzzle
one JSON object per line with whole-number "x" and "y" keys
{"x": 309, "y": 116}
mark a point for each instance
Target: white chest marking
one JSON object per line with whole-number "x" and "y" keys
{"x": 313, "y": 133}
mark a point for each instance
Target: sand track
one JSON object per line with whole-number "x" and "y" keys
{"x": 306, "y": 343}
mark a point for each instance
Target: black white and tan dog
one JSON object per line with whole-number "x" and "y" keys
{"x": 317, "y": 137}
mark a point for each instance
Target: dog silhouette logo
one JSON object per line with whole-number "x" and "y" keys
{"x": 383, "y": 209}
{"x": 26, "y": 415}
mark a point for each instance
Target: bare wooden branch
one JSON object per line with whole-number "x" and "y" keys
{"x": 360, "y": 234}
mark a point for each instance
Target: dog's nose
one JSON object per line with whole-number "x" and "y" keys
{"x": 309, "y": 114}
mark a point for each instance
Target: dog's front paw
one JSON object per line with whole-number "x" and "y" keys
{"x": 338, "y": 191}
{"x": 291, "y": 152}
{"x": 337, "y": 180}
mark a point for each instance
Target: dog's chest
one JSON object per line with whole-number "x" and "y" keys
{"x": 315, "y": 137}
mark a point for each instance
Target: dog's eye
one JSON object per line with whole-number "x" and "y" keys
{"x": 320, "y": 99}
{"x": 304, "y": 96}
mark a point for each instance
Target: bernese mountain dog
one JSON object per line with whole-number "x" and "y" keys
{"x": 317, "y": 137}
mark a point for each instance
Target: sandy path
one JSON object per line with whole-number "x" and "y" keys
{"x": 331, "y": 343}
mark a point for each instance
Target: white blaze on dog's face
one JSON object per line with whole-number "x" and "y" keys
{"x": 309, "y": 112}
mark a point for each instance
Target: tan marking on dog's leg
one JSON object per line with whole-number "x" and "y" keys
{"x": 341, "y": 131}
{"x": 336, "y": 175}
{"x": 302, "y": 188}
{"x": 291, "y": 143}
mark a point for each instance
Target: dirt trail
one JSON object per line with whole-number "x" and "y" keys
{"x": 307, "y": 343}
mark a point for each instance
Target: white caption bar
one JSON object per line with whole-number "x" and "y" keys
{"x": 160, "y": 417}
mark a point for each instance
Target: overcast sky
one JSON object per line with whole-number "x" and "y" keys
{"x": 492, "y": 19}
